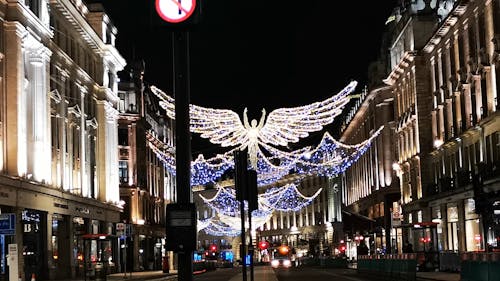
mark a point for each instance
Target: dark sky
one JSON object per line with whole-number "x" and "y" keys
{"x": 259, "y": 54}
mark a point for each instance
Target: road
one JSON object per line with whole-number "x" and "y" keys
{"x": 266, "y": 273}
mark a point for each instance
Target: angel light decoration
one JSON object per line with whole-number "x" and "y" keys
{"x": 282, "y": 126}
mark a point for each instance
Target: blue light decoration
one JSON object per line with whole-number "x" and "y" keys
{"x": 286, "y": 198}
{"x": 205, "y": 171}
{"x": 224, "y": 201}
{"x": 329, "y": 158}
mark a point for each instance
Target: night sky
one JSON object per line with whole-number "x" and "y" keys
{"x": 258, "y": 54}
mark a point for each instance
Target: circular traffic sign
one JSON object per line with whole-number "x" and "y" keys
{"x": 175, "y": 11}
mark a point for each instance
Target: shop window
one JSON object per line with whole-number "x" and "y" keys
{"x": 436, "y": 217}
{"x": 473, "y": 237}
{"x": 452, "y": 214}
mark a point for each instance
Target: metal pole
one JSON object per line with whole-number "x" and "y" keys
{"x": 182, "y": 137}
{"x": 243, "y": 240}
{"x": 125, "y": 258}
{"x": 251, "y": 243}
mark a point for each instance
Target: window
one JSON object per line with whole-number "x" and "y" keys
{"x": 123, "y": 136}
{"x": 452, "y": 213}
{"x": 472, "y": 228}
{"x": 123, "y": 171}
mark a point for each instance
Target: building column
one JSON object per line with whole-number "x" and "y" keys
{"x": 467, "y": 105}
{"x": 14, "y": 114}
{"x": 37, "y": 109}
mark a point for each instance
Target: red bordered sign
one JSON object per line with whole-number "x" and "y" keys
{"x": 175, "y": 11}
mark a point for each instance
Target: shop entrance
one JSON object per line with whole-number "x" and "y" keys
{"x": 423, "y": 240}
{"x": 98, "y": 258}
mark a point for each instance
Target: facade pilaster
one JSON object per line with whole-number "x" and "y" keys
{"x": 478, "y": 97}
{"x": 14, "y": 118}
{"x": 467, "y": 105}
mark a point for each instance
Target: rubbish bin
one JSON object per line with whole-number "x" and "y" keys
{"x": 164, "y": 265}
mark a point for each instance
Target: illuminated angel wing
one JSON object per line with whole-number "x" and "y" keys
{"x": 285, "y": 125}
{"x": 220, "y": 126}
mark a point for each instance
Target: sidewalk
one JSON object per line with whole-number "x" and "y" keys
{"x": 424, "y": 276}
{"x": 144, "y": 275}
{"x": 444, "y": 276}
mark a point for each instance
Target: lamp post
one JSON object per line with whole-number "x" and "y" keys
{"x": 295, "y": 231}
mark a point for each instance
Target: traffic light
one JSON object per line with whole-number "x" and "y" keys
{"x": 263, "y": 245}
{"x": 213, "y": 248}
{"x": 342, "y": 247}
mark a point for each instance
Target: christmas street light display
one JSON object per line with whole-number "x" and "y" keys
{"x": 283, "y": 125}
{"x": 262, "y": 139}
{"x": 329, "y": 158}
{"x": 285, "y": 198}
{"x": 216, "y": 227}
{"x": 227, "y": 221}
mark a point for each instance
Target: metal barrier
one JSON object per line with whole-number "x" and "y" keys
{"x": 480, "y": 266}
{"x": 389, "y": 267}
{"x": 449, "y": 261}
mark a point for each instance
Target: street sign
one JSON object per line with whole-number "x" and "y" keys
{"x": 8, "y": 224}
{"x": 175, "y": 11}
{"x": 120, "y": 226}
{"x": 396, "y": 219}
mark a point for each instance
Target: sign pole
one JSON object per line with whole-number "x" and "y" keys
{"x": 182, "y": 138}
{"x": 181, "y": 218}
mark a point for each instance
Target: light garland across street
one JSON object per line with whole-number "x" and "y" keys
{"x": 267, "y": 143}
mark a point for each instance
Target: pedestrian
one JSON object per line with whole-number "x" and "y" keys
{"x": 408, "y": 247}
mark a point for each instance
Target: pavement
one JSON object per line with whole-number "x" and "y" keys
{"x": 261, "y": 273}
{"x": 442, "y": 276}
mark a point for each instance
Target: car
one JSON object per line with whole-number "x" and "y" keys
{"x": 281, "y": 262}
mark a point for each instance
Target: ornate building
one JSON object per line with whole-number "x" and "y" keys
{"x": 145, "y": 185}
{"x": 442, "y": 61}
{"x": 58, "y": 120}
{"x": 370, "y": 187}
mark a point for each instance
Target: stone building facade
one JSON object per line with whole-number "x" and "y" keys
{"x": 58, "y": 137}
{"x": 441, "y": 73}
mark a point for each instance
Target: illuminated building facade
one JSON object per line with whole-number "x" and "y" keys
{"x": 370, "y": 187}
{"x": 442, "y": 61}
{"x": 58, "y": 137}
{"x": 145, "y": 185}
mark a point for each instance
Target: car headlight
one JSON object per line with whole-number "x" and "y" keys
{"x": 275, "y": 263}
{"x": 287, "y": 263}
